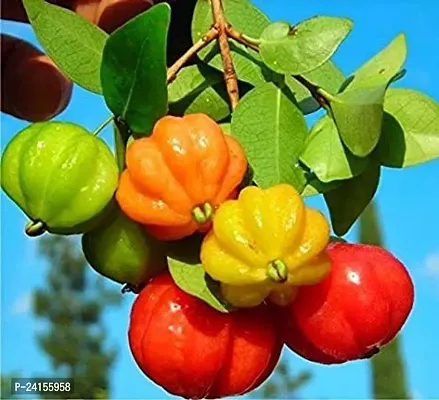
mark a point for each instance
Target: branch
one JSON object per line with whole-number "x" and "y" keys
{"x": 230, "y": 77}
{"x": 211, "y": 35}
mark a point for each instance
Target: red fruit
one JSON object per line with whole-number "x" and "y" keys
{"x": 358, "y": 308}
{"x": 194, "y": 351}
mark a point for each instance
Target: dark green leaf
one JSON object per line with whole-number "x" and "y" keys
{"x": 272, "y": 129}
{"x": 302, "y": 48}
{"x": 199, "y": 88}
{"x": 133, "y": 70}
{"x": 347, "y": 202}
{"x": 410, "y": 132}
{"x": 244, "y": 17}
{"x": 325, "y": 155}
{"x": 382, "y": 68}
{"x": 73, "y": 43}
{"x": 327, "y": 76}
{"x": 359, "y": 116}
{"x": 190, "y": 276}
{"x": 315, "y": 187}
{"x": 121, "y": 141}
{"x": 337, "y": 239}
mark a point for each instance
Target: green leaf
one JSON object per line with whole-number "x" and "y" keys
{"x": 325, "y": 155}
{"x": 189, "y": 275}
{"x": 226, "y": 127}
{"x": 302, "y": 48}
{"x": 410, "y": 132}
{"x": 211, "y": 101}
{"x": 73, "y": 43}
{"x": 382, "y": 68}
{"x": 247, "y": 19}
{"x": 194, "y": 78}
{"x": 192, "y": 279}
{"x": 198, "y": 88}
{"x": 347, "y": 202}
{"x": 272, "y": 129}
{"x": 328, "y": 76}
{"x": 359, "y": 116}
{"x": 359, "y": 109}
{"x": 134, "y": 69}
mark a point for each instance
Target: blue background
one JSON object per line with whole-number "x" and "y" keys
{"x": 408, "y": 205}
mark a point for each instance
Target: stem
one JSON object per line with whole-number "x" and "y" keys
{"x": 121, "y": 135}
{"x": 322, "y": 96}
{"x": 102, "y": 126}
{"x": 241, "y": 38}
{"x": 326, "y": 95}
{"x": 196, "y": 47}
{"x": 250, "y": 40}
{"x": 230, "y": 77}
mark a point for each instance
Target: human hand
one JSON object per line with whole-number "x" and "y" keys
{"x": 33, "y": 87}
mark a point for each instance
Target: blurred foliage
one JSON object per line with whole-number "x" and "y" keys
{"x": 282, "y": 384}
{"x": 5, "y": 387}
{"x": 388, "y": 371}
{"x": 72, "y": 303}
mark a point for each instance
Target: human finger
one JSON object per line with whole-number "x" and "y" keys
{"x": 33, "y": 88}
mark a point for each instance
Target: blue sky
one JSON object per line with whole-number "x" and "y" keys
{"x": 407, "y": 203}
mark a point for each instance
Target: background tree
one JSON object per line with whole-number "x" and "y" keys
{"x": 388, "y": 371}
{"x": 72, "y": 303}
{"x": 283, "y": 383}
{"x": 6, "y": 386}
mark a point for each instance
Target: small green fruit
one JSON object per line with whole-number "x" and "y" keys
{"x": 123, "y": 251}
{"x": 60, "y": 175}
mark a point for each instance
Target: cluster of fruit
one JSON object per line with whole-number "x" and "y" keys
{"x": 283, "y": 281}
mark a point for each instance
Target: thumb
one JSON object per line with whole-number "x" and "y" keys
{"x": 33, "y": 88}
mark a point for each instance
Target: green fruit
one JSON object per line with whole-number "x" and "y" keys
{"x": 123, "y": 251}
{"x": 60, "y": 175}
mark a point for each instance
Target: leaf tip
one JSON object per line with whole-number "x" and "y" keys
{"x": 349, "y": 23}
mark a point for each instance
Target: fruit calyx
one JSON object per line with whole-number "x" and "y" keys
{"x": 372, "y": 352}
{"x": 130, "y": 288}
{"x": 35, "y": 228}
{"x": 203, "y": 213}
{"x": 277, "y": 271}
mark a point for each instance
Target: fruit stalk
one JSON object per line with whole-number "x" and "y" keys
{"x": 230, "y": 77}
{"x": 103, "y": 125}
{"x": 121, "y": 136}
